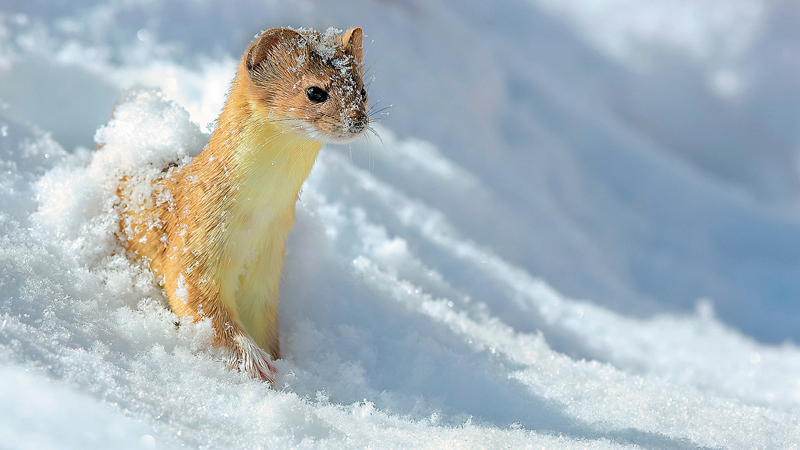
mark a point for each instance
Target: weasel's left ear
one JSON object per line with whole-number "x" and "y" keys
{"x": 266, "y": 42}
{"x": 352, "y": 40}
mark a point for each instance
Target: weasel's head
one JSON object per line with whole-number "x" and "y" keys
{"x": 310, "y": 82}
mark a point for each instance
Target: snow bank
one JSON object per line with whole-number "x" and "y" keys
{"x": 404, "y": 323}
{"x": 375, "y": 328}
{"x": 100, "y": 325}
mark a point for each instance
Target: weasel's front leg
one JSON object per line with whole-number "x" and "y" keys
{"x": 245, "y": 354}
{"x": 186, "y": 297}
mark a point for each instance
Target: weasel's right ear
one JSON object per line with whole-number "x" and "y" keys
{"x": 268, "y": 40}
{"x": 352, "y": 39}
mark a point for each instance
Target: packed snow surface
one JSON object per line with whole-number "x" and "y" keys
{"x": 579, "y": 228}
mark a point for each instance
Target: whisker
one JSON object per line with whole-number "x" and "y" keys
{"x": 372, "y": 130}
{"x": 373, "y": 112}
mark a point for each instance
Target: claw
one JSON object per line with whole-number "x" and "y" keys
{"x": 250, "y": 358}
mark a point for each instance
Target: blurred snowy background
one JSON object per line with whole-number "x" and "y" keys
{"x": 582, "y": 229}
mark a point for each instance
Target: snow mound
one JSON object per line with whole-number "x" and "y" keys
{"x": 424, "y": 295}
{"x": 381, "y": 348}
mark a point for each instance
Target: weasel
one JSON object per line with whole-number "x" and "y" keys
{"x": 214, "y": 230}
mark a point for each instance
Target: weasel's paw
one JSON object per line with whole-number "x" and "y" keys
{"x": 249, "y": 357}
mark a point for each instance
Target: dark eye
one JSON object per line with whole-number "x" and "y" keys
{"x": 316, "y": 95}
{"x": 363, "y": 94}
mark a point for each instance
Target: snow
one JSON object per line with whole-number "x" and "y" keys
{"x": 589, "y": 246}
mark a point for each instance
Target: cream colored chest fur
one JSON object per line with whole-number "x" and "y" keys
{"x": 273, "y": 165}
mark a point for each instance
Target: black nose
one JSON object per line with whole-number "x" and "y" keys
{"x": 358, "y": 123}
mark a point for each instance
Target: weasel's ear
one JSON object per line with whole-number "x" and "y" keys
{"x": 268, "y": 40}
{"x": 352, "y": 40}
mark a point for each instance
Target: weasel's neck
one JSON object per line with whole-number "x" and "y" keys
{"x": 272, "y": 163}
{"x": 267, "y": 158}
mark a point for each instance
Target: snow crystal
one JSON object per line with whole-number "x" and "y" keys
{"x": 181, "y": 291}
{"x": 326, "y": 44}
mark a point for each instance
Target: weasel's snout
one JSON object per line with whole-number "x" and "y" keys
{"x": 358, "y": 122}
{"x": 357, "y": 127}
